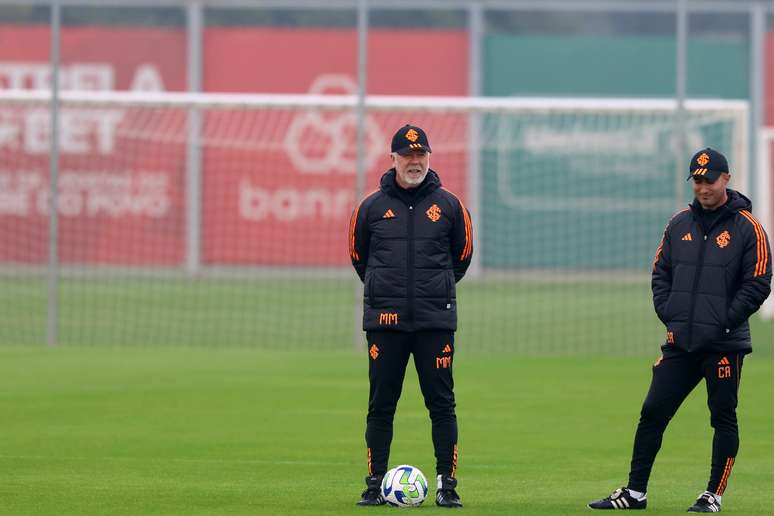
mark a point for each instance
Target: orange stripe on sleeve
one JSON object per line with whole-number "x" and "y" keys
{"x": 353, "y": 224}
{"x": 748, "y": 216}
{"x": 761, "y": 234}
{"x": 658, "y": 253}
{"x": 467, "y": 250}
{"x": 763, "y": 252}
{"x": 764, "y": 248}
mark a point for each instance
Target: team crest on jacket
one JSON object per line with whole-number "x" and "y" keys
{"x": 723, "y": 239}
{"x": 434, "y": 213}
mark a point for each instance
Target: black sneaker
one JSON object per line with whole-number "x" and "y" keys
{"x": 373, "y": 493}
{"x": 706, "y": 502}
{"x": 620, "y": 499}
{"x": 446, "y": 496}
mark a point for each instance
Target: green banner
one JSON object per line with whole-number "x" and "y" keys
{"x": 583, "y": 190}
{"x": 617, "y": 66}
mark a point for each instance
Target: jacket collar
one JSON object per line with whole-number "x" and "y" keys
{"x": 708, "y": 219}
{"x": 389, "y": 186}
{"x": 736, "y": 202}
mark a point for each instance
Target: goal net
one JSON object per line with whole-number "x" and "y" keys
{"x": 206, "y": 219}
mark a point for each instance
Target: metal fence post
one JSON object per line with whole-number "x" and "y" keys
{"x": 475, "y": 31}
{"x": 757, "y": 59}
{"x": 52, "y": 333}
{"x": 681, "y": 40}
{"x": 193, "y": 176}
{"x": 361, "y": 167}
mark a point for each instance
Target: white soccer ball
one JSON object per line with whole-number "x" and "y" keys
{"x": 404, "y": 486}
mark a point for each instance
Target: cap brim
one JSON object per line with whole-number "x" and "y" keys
{"x": 708, "y": 174}
{"x": 407, "y": 150}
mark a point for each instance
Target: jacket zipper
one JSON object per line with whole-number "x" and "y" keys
{"x": 699, "y": 267}
{"x": 410, "y": 263}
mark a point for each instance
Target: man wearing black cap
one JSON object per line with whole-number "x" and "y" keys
{"x": 711, "y": 272}
{"x": 410, "y": 242}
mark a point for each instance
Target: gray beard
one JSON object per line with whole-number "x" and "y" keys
{"x": 419, "y": 181}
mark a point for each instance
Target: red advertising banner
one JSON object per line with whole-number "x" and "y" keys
{"x": 769, "y": 80}
{"x": 120, "y": 189}
{"x": 277, "y": 187}
{"x": 290, "y": 202}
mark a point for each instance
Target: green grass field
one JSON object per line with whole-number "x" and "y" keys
{"x": 511, "y": 315}
{"x": 161, "y": 430}
{"x": 246, "y": 396}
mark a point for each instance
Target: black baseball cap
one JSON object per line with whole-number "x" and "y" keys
{"x": 410, "y": 138}
{"x": 708, "y": 163}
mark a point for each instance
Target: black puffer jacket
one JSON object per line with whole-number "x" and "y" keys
{"x": 410, "y": 247}
{"x": 706, "y": 284}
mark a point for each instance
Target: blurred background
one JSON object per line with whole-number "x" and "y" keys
{"x": 204, "y": 184}
{"x": 180, "y": 325}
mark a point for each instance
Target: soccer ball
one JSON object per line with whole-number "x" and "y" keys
{"x": 404, "y": 486}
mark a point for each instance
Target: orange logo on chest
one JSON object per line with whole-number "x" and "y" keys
{"x": 434, "y": 213}
{"x": 723, "y": 239}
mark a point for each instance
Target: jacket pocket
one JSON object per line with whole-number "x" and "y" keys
{"x": 676, "y": 307}
{"x": 370, "y": 287}
{"x": 719, "y": 312}
{"x": 667, "y": 312}
{"x": 660, "y": 311}
{"x": 711, "y": 317}
{"x": 676, "y": 335}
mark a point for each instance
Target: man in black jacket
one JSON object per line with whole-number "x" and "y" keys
{"x": 410, "y": 242}
{"x": 711, "y": 272}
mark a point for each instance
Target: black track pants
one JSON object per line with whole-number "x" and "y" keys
{"x": 388, "y": 354}
{"x": 674, "y": 377}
